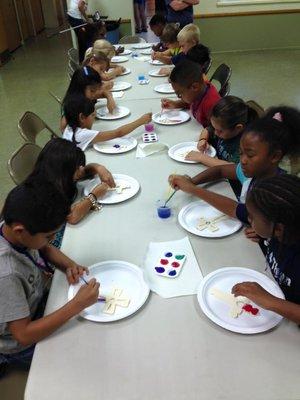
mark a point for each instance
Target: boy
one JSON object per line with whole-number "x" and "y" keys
{"x": 200, "y": 54}
{"x": 32, "y": 213}
{"x": 187, "y": 81}
{"x": 157, "y": 24}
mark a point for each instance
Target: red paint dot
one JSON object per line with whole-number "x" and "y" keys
{"x": 247, "y": 307}
{"x": 164, "y": 261}
{"x": 175, "y": 264}
{"x": 254, "y": 311}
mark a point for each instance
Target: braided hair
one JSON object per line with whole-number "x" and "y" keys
{"x": 278, "y": 200}
{"x": 280, "y": 128}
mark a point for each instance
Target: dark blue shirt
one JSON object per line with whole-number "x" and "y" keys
{"x": 184, "y": 17}
{"x": 284, "y": 262}
{"x": 178, "y": 58}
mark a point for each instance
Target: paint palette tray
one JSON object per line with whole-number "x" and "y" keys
{"x": 150, "y": 137}
{"x": 170, "y": 264}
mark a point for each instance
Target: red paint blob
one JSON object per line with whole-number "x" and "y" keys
{"x": 248, "y": 308}
{"x": 175, "y": 264}
{"x": 163, "y": 261}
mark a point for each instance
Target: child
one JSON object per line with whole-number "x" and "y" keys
{"x": 187, "y": 81}
{"x": 32, "y": 213}
{"x": 63, "y": 164}
{"x": 228, "y": 119}
{"x": 169, "y": 38}
{"x": 80, "y": 116}
{"x": 263, "y": 144}
{"x": 157, "y": 24}
{"x": 100, "y": 63}
{"x": 87, "y": 82}
{"x": 200, "y": 54}
{"x": 274, "y": 213}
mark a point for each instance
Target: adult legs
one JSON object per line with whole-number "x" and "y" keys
{"x": 138, "y": 22}
{"x": 143, "y": 16}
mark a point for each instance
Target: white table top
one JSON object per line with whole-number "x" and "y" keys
{"x": 169, "y": 350}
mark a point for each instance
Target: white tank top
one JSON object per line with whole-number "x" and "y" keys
{"x": 73, "y": 9}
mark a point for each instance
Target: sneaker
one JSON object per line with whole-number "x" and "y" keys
{"x": 137, "y": 30}
{"x": 144, "y": 30}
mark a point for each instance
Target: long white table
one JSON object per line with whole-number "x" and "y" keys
{"x": 169, "y": 350}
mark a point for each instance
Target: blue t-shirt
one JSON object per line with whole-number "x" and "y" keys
{"x": 284, "y": 262}
{"x": 178, "y": 58}
{"x": 184, "y": 17}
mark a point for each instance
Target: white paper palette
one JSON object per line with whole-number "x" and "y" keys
{"x": 190, "y": 217}
{"x": 139, "y": 46}
{"x": 120, "y": 86}
{"x": 172, "y": 117}
{"x": 165, "y": 88}
{"x": 116, "y": 146}
{"x": 224, "y": 279}
{"x": 112, "y": 274}
{"x": 119, "y": 59}
{"x": 179, "y": 151}
{"x": 155, "y": 73}
{"x": 119, "y": 112}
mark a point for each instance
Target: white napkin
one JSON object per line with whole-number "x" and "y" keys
{"x": 146, "y": 149}
{"x": 188, "y": 280}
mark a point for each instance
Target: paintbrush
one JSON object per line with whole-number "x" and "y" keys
{"x": 100, "y": 298}
{"x": 169, "y": 198}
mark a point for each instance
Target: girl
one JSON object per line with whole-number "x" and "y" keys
{"x": 80, "y": 116}
{"x": 100, "y": 63}
{"x": 228, "y": 120}
{"x": 63, "y": 164}
{"x": 263, "y": 144}
{"x": 274, "y": 213}
{"x": 169, "y": 38}
{"x": 87, "y": 82}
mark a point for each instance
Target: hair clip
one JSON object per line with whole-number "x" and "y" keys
{"x": 86, "y": 71}
{"x": 277, "y": 116}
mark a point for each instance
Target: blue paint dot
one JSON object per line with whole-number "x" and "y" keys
{"x": 160, "y": 270}
{"x": 168, "y": 254}
{"x": 172, "y": 273}
{"x": 117, "y": 146}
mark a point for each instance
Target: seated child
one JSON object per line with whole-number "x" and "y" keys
{"x": 32, "y": 213}
{"x": 200, "y": 54}
{"x": 80, "y": 115}
{"x": 263, "y": 144}
{"x": 101, "y": 63}
{"x": 169, "y": 38}
{"x": 228, "y": 119}
{"x": 188, "y": 37}
{"x": 157, "y": 24}
{"x": 187, "y": 81}
{"x": 63, "y": 164}
{"x": 274, "y": 214}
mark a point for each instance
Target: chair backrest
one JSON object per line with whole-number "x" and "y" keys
{"x": 22, "y": 161}
{"x": 30, "y": 125}
{"x": 222, "y": 75}
{"x": 72, "y": 66}
{"x": 206, "y": 66}
{"x": 225, "y": 90}
{"x": 73, "y": 55}
{"x": 131, "y": 39}
{"x": 259, "y": 109}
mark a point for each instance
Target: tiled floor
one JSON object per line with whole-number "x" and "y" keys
{"x": 269, "y": 77}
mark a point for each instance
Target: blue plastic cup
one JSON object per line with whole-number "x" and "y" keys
{"x": 162, "y": 210}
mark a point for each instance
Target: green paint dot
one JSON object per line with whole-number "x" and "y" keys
{"x": 179, "y": 257}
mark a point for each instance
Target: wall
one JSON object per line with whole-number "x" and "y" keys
{"x": 3, "y": 38}
{"x": 51, "y": 13}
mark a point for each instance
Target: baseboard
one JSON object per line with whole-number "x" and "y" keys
{"x": 4, "y": 57}
{"x": 257, "y": 49}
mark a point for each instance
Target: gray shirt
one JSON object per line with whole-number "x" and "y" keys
{"x": 22, "y": 285}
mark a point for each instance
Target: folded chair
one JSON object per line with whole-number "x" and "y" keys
{"x": 222, "y": 75}
{"x": 22, "y": 161}
{"x": 30, "y": 125}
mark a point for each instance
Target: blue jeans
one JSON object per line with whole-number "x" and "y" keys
{"x": 21, "y": 359}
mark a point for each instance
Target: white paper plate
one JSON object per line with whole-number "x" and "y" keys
{"x": 155, "y": 73}
{"x": 172, "y": 117}
{"x": 111, "y": 146}
{"x": 140, "y": 46}
{"x": 118, "y": 86}
{"x": 156, "y": 62}
{"x": 190, "y": 215}
{"x": 119, "y": 59}
{"x": 224, "y": 279}
{"x": 179, "y": 151}
{"x": 115, "y": 273}
{"x": 126, "y": 72}
{"x": 112, "y": 197}
{"x": 147, "y": 52}
{"x": 119, "y": 112}
{"x": 126, "y": 52}
{"x": 164, "y": 88}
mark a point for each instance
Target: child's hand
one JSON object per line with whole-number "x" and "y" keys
{"x": 164, "y": 71}
{"x": 181, "y": 182}
{"x": 153, "y": 55}
{"x": 202, "y": 145}
{"x": 254, "y": 292}
{"x": 74, "y": 272}
{"x": 146, "y": 118}
{"x": 252, "y": 235}
{"x": 119, "y": 50}
{"x": 106, "y": 176}
{"x": 87, "y": 295}
{"x": 119, "y": 70}
{"x": 108, "y": 85}
{"x": 167, "y": 103}
{"x": 100, "y": 190}
{"x": 194, "y": 156}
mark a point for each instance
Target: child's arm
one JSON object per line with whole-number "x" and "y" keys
{"x": 222, "y": 203}
{"x": 165, "y": 56}
{"x": 171, "y": 104}
{"x": 266, "y": 300}
{"x": 116, "y": 71}
{"x": 28, "y": 332}
{"x": 205, "y": 159}
{"x": 227, "y": 171}
{"x": 103, "y": 173}
{"x": 111, "y": 105}
{"x": 203, "y": 140}
{"x": 123, "y": 130}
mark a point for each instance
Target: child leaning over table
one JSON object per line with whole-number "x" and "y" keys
{"x": 32, "y": 213}
{"x": 188, "y": 84}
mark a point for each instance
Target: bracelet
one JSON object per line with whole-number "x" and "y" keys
{"x": 93, "y": 199}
